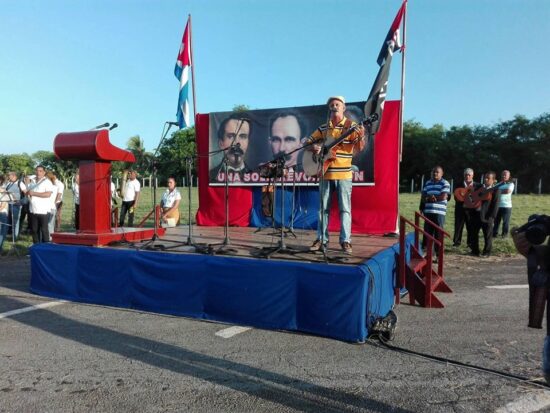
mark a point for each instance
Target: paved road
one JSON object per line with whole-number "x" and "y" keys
{"x": 70, "y": 357}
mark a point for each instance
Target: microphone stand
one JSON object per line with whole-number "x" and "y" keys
{"x": 281, "y": 246}
{"x": 321, "y": 193}
{"x": 189, "y": 165}
{"x": 151, "y": 243}
{"x": 290, "y": 229}
{"x": 225, "y": 162}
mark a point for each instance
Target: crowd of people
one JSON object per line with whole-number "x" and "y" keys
{"x": 30, "y": 203}
{"x": 33, "y": 204}
{"x": 484, "y": 207}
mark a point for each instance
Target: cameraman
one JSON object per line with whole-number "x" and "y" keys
{"x": 528, "y": 240}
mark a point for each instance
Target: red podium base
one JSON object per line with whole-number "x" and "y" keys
{"x": 116, "y": 234}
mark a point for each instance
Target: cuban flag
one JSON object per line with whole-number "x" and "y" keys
{"x": 392, "y": 42}
{"x": 183, "y": 64}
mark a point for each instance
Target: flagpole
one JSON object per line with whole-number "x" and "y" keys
{"x": 402, "y": 108}
{"x": 192, "y": 69}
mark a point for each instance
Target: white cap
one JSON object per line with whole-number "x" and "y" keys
{"x": 340, "y": 98}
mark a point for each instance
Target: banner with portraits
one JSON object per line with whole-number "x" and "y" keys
{"x": 257, "y": 145}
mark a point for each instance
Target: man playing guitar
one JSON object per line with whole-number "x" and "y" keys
{"x": 338, "y": 175}
{"x": 460, "y": 216}
{"x": 481, "y": 208}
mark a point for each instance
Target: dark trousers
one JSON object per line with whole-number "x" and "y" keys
{"x": 487, "y": 228}
{"x": 473, "y": 225}
{"x": 503, "y": 214}
{"x": 39, "y": 228}
{"x": 127, "y": 208}
{"x": 460, "y": 220}
{"x": 25, "y": 214}
{"x": 437, "y": 219}
{"x": 77, "y": 216}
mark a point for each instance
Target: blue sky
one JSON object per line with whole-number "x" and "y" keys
{"x": 68, "y": 65}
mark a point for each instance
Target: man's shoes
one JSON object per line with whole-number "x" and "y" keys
{"x": 316, "y": 246}
{"x": 474, "y": 253}
{"x": 346, "y": 247}
{"x": 456, "y": 244}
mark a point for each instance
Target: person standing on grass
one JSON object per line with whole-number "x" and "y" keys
{"x": 39, "y": 194}
{"x": 433, "y": 203}
{"x": 504, "y": 204}
{"x": 130, "y": 198}
{"x": 460, "y": 215}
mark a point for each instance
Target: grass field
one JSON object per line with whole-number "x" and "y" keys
{"x": 524, "y": 205}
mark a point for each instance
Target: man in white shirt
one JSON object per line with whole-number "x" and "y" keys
{"x": 130, "y": 198}
{"x": 40, "y": 205}
{"x": 504, "y": 204}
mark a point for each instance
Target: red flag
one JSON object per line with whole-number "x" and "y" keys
{"x": 393, "y": 39}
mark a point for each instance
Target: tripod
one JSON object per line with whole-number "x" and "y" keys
{"x": 236, "y": 151}
{"x": 281, "y": 247}
{"x": 150, "y": 245}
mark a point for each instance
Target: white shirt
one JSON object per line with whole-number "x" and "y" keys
{"x": 39, "y": 205}
{"x": 505, "y": 200}
{"x": 169, "y": 198}
{"x": 60, "y": 189}
{"x": 130, "y": 189}
{"x": 53, "y": 196}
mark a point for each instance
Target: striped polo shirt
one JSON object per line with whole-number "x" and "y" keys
{"x": 340, "y": 167}
{"x": 436, "y": 188}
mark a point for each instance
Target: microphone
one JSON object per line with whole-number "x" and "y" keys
{"x": 115, "y": 125}
{"x": 105, "y": 125}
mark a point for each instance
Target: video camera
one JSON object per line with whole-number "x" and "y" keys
{"x": 536, "y": 229}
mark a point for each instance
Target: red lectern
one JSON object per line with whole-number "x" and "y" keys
{"x": 95, "y": 153}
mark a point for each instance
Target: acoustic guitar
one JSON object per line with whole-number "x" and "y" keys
{"x": 474, "y": 198}
{"x": 317, "y": 164}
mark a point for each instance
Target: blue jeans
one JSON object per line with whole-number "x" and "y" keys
{"x": 13, "y": 218}
{"x": 343, "y": 189}
{"x": 437, "y": 219}
{"x": 3, "y": 228}
{"x": 503, "y": 214}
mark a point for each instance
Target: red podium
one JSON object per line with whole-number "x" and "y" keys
{"x": 95, "y": 153}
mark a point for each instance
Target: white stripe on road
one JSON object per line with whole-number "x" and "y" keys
{"x": 32, "y": 308}
{"x": 232, "y": 331}
{"x": 533, "y": 402}
{"x": 508, "y": 287}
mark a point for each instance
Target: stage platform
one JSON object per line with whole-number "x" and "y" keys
{"x": 334, "y": 295}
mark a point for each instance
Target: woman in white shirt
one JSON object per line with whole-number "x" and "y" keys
{"x": 170, "y": 203}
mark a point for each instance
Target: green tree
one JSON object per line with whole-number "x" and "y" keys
{"x": 63, "y": 169}
{"x": 173, "y": 154}
{"x": 143, "y": 158}
{"x": 241, "y": 108}
{"x": 20, "y": 163}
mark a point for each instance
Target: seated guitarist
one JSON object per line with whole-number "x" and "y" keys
{"x": 338, "y": 176}
{"x": 481, "y": 213}
{"x": 170, "y": 202}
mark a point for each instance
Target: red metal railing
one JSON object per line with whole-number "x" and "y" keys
{"x": 419, "y": 262}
